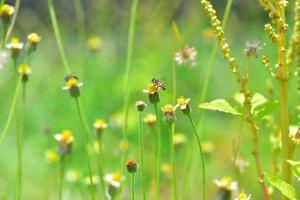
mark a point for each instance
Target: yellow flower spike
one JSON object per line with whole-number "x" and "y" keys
{"x": 51, "y": 156}
{"x": 6, "y": 11}
{"x": 94, "y": 43}
{"x": 33, "y": 39}
{"x": 100, "y": 125}
{"x": 150, "y": 120}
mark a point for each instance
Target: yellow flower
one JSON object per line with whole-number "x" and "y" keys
{"x": 6, "y": 11}
{"x": 51, "y": 156}
{"x": 72, "y": 85}
{"x": 15, "y": 45}
{"x": 152, "y": 88}
{"x": 24, "y": 70}
{"x": 94, "y": 43}
{"x": 64, "y": 138}
{"x": 150, "y": 120}
{"x": 33, "y": 39}
{"x": 166, "y": 169}
{"x": 183, "y": 105}
{"x": 243, "y": 196}
{"x": 208, "y": 147}
{"x": 179, "y": 139}
{"x": 100, "y": 125}
{"x": 226, "y": 183}
{"x": 169, "y": 113}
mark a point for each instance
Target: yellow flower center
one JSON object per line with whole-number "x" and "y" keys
{"x": 226, "y": 181}
{"x": 182, "y": 101}
{"x": 66, "y": 137}
{"x": 152, "y": 88}
{"x": 94, "y": 43}
{"x": 24, "y": 69}
{"x": 72, "y": 82}
{"x": 100, "y": 124}
{"x": 242, "y": 196}
{"x": 116, "y": 177}
{"x": 168, "y": 109}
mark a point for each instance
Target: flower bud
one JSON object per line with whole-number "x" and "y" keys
{"x": 140, "y": 106}
{"x": 132, "y": 166}
{"x": 153, "y": 98}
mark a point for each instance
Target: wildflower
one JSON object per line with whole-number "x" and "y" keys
{"x": 152, "y": 90}
{"x": 150, "y": 120}
{"x": 179, "y": 139}
{"x": 15, "y": 46}
{"x": 186, "y": 55}
{"x": 100, "y": 125}
{"x": 72, "y": 85}
{"x": 208, "y": 147}
{"x": 3, "y": 59}
{"x": 226, "y": 183}
{"x": 51, "y": 156}
{"x": 243, "y": 196}
{"x": 65, "y": 140}
{"x": 114, "y": 179}
{"x": 169, "y": 113}
{"x": 295, "y": 134}
{"x": 253, "y": 48}
{"x": 73, "y": 176}
{"x": 132, "y": 166}
{"x": 140, "y": 106}
{"x": 33, "y": 39}
{"x": 91, "y": 183}
{"x": 183, "y": 105}
{"x": 241, "y": 164}
{"x": 24, "y": 70}
{"x": 6, "y": 11}
{"x": 94, "y": 43}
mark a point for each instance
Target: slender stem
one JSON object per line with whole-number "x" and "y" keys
{"x": 172, "y": 159}
{"x": 86, "y": 138}
{"x": 141, "y": 141}
{"x": 14, "y": 19}
{"x": 157, "y": 178}
{"x": 5, "y": 27}
{"x": 58, "y": 36}
{"x": 80, "y": 21}
{"x": 202, "y": 157}
{"x": 61, "y": 180}
{"x": 11, "y": 112}
{"x": 131, "y": 35}
{"x": 132, "y": 186}
{"x": 100, "y": 165}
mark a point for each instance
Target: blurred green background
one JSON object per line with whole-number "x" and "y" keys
{"x": 50, "y": 109}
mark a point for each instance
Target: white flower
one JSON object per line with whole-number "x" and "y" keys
{"x": 186, "y": 55}
{"x": 226, "y": 183}
{"x": 3, "y": 58}
{"x": 114, "y": 179}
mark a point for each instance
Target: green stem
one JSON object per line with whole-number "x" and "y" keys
{"x": 5, "y": 27}
{"x": 86, "y": 138}
{"x": 61, "y": 180}
{"x": 157, "y": 178}
{"x": 58, "y": 36}
{"x": 11, "y": 112}
{"x": 141, "y": 143}
{"x": 202, "y": 157}
{"x": 14, "y": 19}
{"x": 172, "y": 159}
{"x": 100, "y": 165}
{"x": 132, "y": 186}
{"x": 131, "y": 35}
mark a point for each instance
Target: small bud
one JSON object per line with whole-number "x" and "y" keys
{"x": 132, "y": 166}
{"x": 6, "y": 11}
{"x": 24, "y": 70}
{"x": 33, "y": 39}
{"x": 140, "y": 106}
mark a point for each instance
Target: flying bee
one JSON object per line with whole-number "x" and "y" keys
{"x": 159, "y": 83}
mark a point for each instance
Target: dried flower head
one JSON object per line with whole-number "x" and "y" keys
{"x": 150, "y": 120}
{"x": 33, "y": 39}
{"x": 15, "y": 46}
{"x": 132, "y": 166}
{"x": 243, "y": 196}
{"x": 72, "y": 85}
{"x": 100, "y": 125}
{"x": 94, "y": 43}
{"x": 183, "y": 105}
{"x": 253, "y": 49}
{"x": 91, "y": 181}
{"x": 186, "y": 55}
{"x": 6, "y": 11}
{"x": 152, "y": 90}
{"x": 226, "y": 183}
{"x": 65, "y": 140}
{"x": 140, "y": 106}
{"x": 3, "y": 59}
{"x": 51, "y": 156}
{"x": 24, "y": 70}
{"x": 179, "y": 139}
{"x": 114, "y": 179}
{"x": 169, "y": 113}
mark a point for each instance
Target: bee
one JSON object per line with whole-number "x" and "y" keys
{"x": 159, "y": 83}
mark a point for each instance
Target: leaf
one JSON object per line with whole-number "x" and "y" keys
{"x": 285, "y": 188}
{"x": 220, "y": 105}
{"x": 259, "y": 112}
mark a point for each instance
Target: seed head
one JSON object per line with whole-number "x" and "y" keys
{"x": 140, "y": 106}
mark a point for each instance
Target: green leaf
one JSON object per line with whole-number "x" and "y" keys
{"x": 285, "y": 188}
{"x": 260, "y": 111}
{"x": 220, "y": 105}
